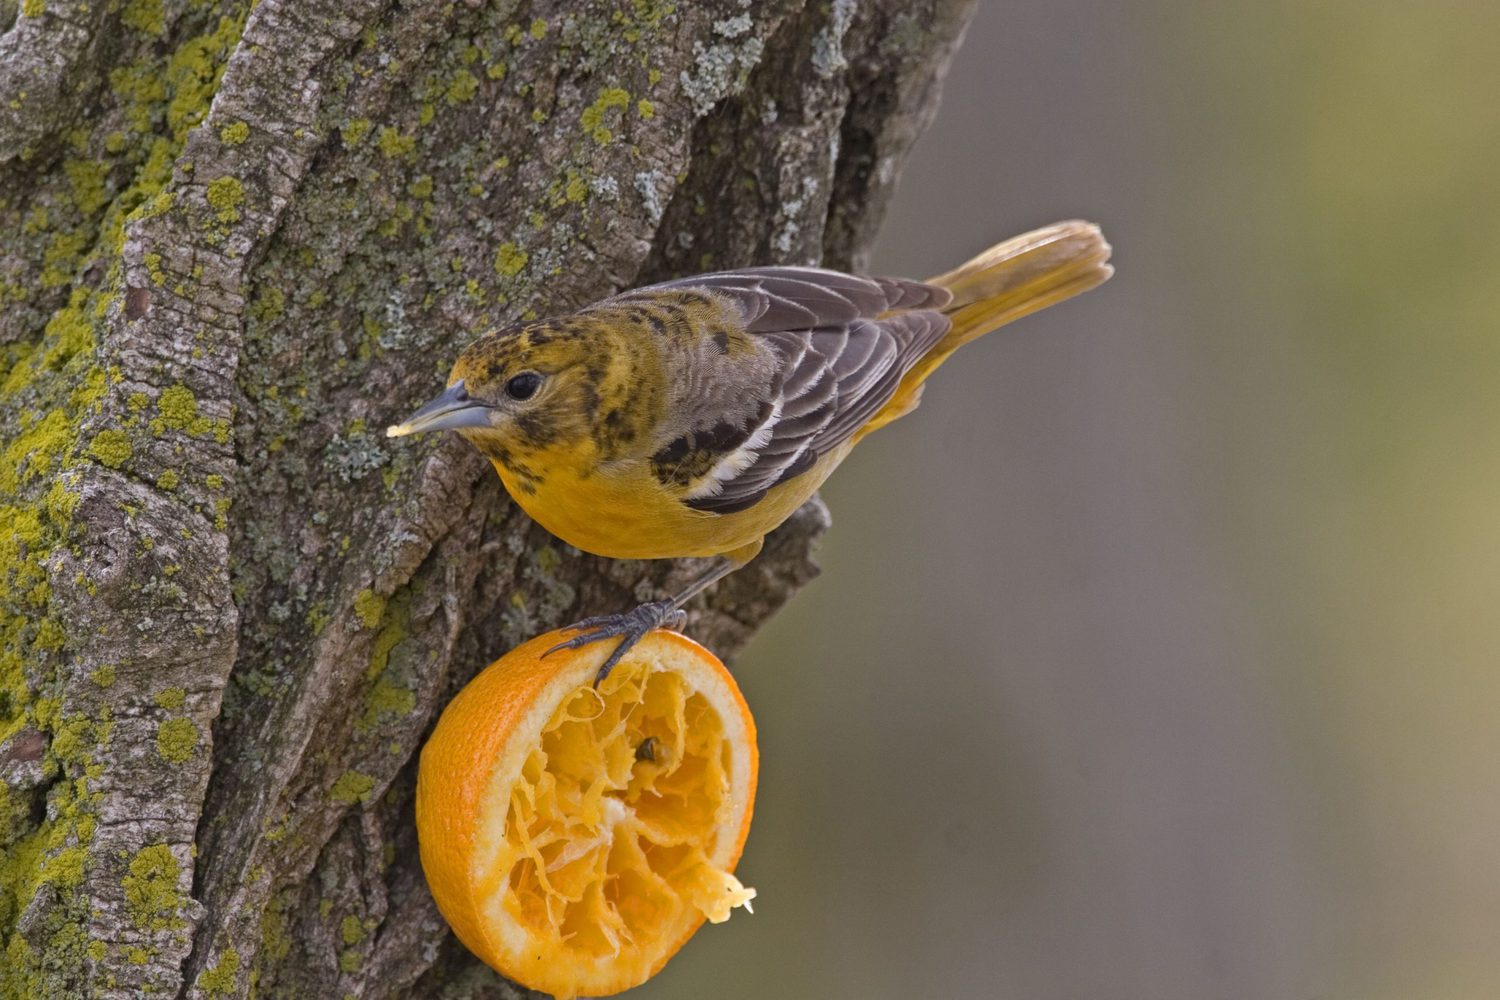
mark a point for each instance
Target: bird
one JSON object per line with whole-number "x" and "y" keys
{"x": 691, "y": 417}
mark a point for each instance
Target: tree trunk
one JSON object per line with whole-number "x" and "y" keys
{"x": 238, "y": 241}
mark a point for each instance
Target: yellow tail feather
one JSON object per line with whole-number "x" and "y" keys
{"x": 1008, "y": 281}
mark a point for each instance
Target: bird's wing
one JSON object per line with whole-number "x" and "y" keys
{"x": 842, "y": 344}
{"x": 774, "y": 299}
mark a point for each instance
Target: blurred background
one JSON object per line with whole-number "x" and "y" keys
{"x": 1155, "y": 657}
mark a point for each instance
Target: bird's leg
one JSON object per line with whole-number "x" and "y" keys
{"x": 631, "y": 626}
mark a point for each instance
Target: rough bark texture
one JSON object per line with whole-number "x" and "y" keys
{"x": 238, "y": 241}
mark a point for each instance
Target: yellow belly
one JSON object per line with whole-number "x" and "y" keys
{"x": 625, "y": 513}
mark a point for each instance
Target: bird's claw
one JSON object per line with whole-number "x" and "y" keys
{"x": 631, "y": 627}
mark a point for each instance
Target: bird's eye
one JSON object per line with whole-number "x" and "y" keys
{"x": 523, "y": 386}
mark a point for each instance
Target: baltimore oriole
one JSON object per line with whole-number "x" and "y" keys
{"x": 691, "y": 417}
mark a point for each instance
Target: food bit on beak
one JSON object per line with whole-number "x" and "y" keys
{"x": 450, "y": 410}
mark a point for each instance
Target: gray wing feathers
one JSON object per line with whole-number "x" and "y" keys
{"x": 802, "y": 298}
{"x": 870, "y": 365}
{"x": 834, "y": 380}
{"x": 843, "y": 344}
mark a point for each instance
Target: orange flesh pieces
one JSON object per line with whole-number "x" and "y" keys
{"x": 611, "y": 822}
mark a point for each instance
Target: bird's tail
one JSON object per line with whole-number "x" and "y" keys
{"x": 1009, "y": 280}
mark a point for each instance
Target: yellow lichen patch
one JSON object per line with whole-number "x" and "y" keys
{"x": 461, "y": 87}
{"x": 87, "y": 179}
{"x": 225, "y": 195}
{"x": 421, "y": 187}
{"x": 36, "y": 451}
{"x": 593, "y": 115}
{"x": 220, "y": 980}
{"x": 509, "y": 260}
{"x": 352, "y": 787}
{"x": 111, "y": 447}
{"x": 177, "y": 409}
{"x": 145, "y": 16}
{"x": 370, "y": 607}
{"x": 152, "y": 898}
{"x": 176, "y": 739}
{"x": 193, "y": 74}
{"x": 353, "y": 132}
{"x": 178, "y": 406}
{"x": 394, "y": 143}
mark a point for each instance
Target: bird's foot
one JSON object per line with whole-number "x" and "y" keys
{"x": 631, "y": 627}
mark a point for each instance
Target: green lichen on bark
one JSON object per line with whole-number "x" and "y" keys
{"x": 225, "y": 195}
{"x": 176, "y": 739}
{"x": 221, "y": 979}
{"x": 151, "y": 892}
{"x": 64, "y": 281}
{"x": 370, "y": 607}
{"x": 352, "y": 787}
{"x": 111, "y": 447}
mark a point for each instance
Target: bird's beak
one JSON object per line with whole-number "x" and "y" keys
{"x": 449, "y": 411}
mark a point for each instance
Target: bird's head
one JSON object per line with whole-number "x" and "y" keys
{"x": 520, "y": 391}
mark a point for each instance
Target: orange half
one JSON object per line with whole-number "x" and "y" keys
{"x": 576, "y": 838}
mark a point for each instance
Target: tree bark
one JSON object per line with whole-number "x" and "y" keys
{"x": 238, "y": 241}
